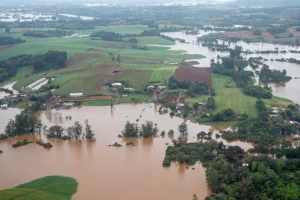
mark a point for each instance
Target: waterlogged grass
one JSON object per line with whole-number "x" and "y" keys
{"x": 97, "y": 103}
{"x": 125, "y": 29}
{"x": 162, "y": 74}
{"x": 22, "y": 82}
{"x": 233, "y": 98}
{"x": 46, "y": 188}
{"x": 134, "y": 98}
{"x": 153, "y": 40}
{"x": 22, "y": 73}
{"x": 198, "y": 99}
{"x": 277, "y": 102}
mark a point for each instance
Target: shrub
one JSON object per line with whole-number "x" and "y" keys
{"x": 166, "y": 163}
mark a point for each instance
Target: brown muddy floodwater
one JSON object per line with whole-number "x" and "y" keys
{"x": 110, "y": 173}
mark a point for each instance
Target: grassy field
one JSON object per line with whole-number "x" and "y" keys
{"x": 97, "y": 103}
{"x": 46, "y": 188}
{"x": 197, "y": 99}
{"x": 91, "y": 61}
{"x": 277, "y": 102}
{"x": 134, "y": 98}
{"x": 233, "y": 98}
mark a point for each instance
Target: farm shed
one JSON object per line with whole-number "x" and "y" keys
{"x": 32, "y": 85}
{"x": 116, "y": 85}
{"x": 194, "y": 74}
{"x": 76, "y": 94}
{"x": 128, "y": 89}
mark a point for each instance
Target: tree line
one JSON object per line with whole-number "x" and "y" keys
{"x": 48, "y": 33}
{"x": 266, "y": 75}
{"x": 10, "y": 40}
{"x": 73, "y": 132}
{"x": 40, "y": 62}
{"x": 199, "y": 88}
{"x": 147, "y": 129}
{"x": 231, "y": 174}
{"x": 243, "y": 79}
{"x": 25, "y": 123}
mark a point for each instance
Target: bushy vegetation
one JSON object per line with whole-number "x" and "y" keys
{"x": 74, "y": 132}
{"x": 276, "y": 30}
{"x": 229, "y": 115}
{"x": 202, "y": 151}
{"x": 10, "y": 40}
{"x": 148, "y": 129}
{"x": 19, "y": 144}
{"x": 108, "y": 36}
{"x": 266, "y": 134}
{"x": 264, "y": 178}
{"x": 23, "y": 123}
{"x": 193, "y": 88}
{"x": 257, "y": 32}
{"x": 44, "y": 144}
{"x": 48, "y": 33}
{"x": 266, "y": 75}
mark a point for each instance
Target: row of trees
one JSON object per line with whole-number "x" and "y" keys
{"x": 40, "y": 62}
{"x": 10, "y": 40}
{"x": 23, "y": 123}
{"x": 74, "y": 132}
{"x": 148, "y": 129}
{"x": 48, "y": 33}
{"x": 229, "y": 115}
{"x": 193, "y": 88}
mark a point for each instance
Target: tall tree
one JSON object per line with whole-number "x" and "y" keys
{"x": 89, "y": 135}
{"x": 183, "y": 129}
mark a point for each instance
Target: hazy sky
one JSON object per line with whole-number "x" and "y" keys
{"x": 20, "y": 2}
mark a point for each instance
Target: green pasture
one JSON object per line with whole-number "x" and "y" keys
{"x": 134, "y": 98}
{"x": 233, "y": 98}
{"x": 90, "y": 61}
{"x": 46, "y": 188}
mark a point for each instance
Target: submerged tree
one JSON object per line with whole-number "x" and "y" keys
{"x": 148, "y": 129}
{"x": 183, "y": 130}
{"x": 131, "y": 130}
{"x": 55, "y": 131}
{"x": 77, "y": 130}
{"x": 89, "y": 135}
{"x": 24, "y": 123}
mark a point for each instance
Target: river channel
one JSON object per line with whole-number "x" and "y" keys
{"x": 103, "y": 172}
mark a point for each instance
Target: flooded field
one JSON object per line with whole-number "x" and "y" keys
{"x": 135, "y": 172}
{"x": 290, "y": 90}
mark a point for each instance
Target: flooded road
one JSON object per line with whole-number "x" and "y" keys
{"x": 110, "y": 173}
{"x": 290, "y": 90}
{"x": 7, "y": 86}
